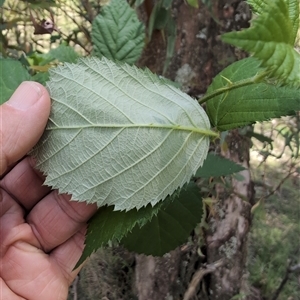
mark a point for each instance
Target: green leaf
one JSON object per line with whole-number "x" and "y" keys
{"x": 170, "y": 227}
{"x": 41, "y": 77}
{"x": 120, "y": 136}
{"x": 2, "y": 2}
{"x": 63, "y": 53}
{"x": 158, "y": 18}
{"x": 117, "y": 33}
{"x": 193, "y": 3}
{"x": 258, "y": 7}
{"x": 271, "y": 39}
{"x": 235, "y": 104}
{"x": 109, "y": 225}
{"x": 12, "y": 75}
{"x": 216, "y": 166}
{"x": 260, "y": 137}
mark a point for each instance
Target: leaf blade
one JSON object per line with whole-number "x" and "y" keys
{"x": 216, "y": 166}
{"x": 117, "y": 33}
{"x": 258, "y": 6}
{"x": 248, "y": 104}
{"x": 271, "y": 39}
{"x": 153, "y": 136}
{"x": 109, "y": 225}
{"x": 170, "y": 227}
{"x": 13, "y": 75}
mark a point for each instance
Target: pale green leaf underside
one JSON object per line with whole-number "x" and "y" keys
{"x": 117, "y": 33}
{"x": 270, "y": 38}
{"x": 120, "y": 136}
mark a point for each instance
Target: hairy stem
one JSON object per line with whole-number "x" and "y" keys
{"x": 234, "y": 85}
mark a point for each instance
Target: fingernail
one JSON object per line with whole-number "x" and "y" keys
{"x": 26, "y": 95}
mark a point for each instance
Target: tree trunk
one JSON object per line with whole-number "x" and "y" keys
{"x": 226, "y": 238}
{"x": 199, "y": 55}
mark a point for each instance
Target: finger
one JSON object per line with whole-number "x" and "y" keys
{"x": 23, "y": 119}
{"x": 7, "y": 293}
{"x": 55, "y": 219}
{"x": 67, "y": 255}
{"x": 25, "y": 183}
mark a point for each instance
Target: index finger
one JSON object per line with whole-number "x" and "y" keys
{"x": 55, "y": 219}
{"x": 22, "y": 121}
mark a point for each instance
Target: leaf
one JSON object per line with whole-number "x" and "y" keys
{"x": 193, "y": 3}
{"x": 171, "y": 34}
{"x": 63, "y": 53}
{"x": 109, "y": 225}
{"x": 260, "y": 137}
{"x": 170, "y": 227}
{"x": 41, "y": 77}
{"x": 119, "y": 136}
{"x": 158, "y": 18}
{"x": 271, "y": 39}
{"x": 216, "y": 166}
{"x": 258, "y": 6}
{"x": 244, "y": 105}
{"x": 117, "y": 33}
{"x": 12, "y": 75}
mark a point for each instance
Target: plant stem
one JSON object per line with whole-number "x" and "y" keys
{"x": 231, "y": 86}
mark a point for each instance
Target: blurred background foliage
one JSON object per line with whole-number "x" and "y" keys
{"x": 275, "y": 234}
{"x": 71, "y": 18}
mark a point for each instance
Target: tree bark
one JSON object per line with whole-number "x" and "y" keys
{"x": 226, "y": 238}
{"x": 199, "y": 56}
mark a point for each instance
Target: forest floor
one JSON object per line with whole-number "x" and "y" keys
{"x": 275, "y": 234}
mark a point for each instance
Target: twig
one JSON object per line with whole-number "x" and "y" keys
{"x": 198, "y": 276}
{"x": 280, "y": 183}
{"x": 294, "y": 268}
{"x": 290, "y": 269}
{"x": 74, "y": 288}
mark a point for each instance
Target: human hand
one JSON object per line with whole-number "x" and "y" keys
{"x": 41, "y": 232}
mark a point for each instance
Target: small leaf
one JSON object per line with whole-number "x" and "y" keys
{"x": 12, "y": 75}
{"x": 245, "y": 105}
{"x": 117, "y": 33}
{"x": 216, "y": 166}
{"x": 260, "y": 137}
{"x": 193, "y": 3}
{"x": 158, "y": 18}
{"x": 258, "y": 6}
{"x": 170, "y": 227}
{"x": 41, "y": 77}
{"x": 119, "y": 136}
{"x": 63, "y": 53}
{"x": 109, "y": 225}
{"x": 271, "y": 39}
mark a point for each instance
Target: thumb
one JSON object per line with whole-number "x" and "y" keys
{"x": 22, "y": 121}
